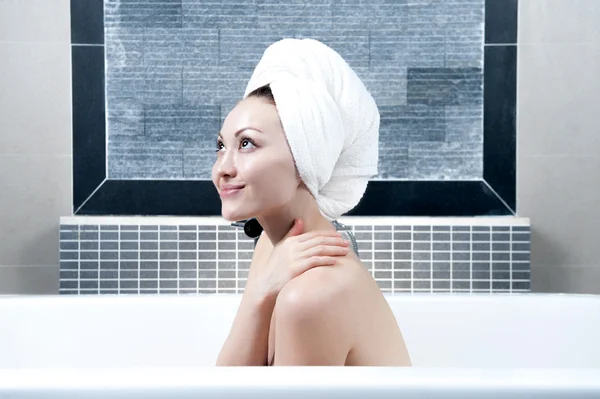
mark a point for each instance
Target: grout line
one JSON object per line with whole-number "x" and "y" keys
{"x": 86, "y": 45}
{"x": 88, "y": 198}
{"x": 79, "y": 265}
{"x": 470, "y": 259}
{"x": 510, "y": 271}
{"x": 510, "y": 220}
{"x": 431, "y": 259}
{"x": 234, "y": 281}
{"x": 139, "y": 260}
{"x": 451, "y": 260}
{"x": 372, "y": 252}
{"x": 217, "y": 261}
{"x": 197, "y": 261}
{"x": 158, "y": 261}
{"x": 237, "y": 262}
{"x": 393, "y": 261}
{"x": 99, "y": 269}
{"x": 412, "y": 259}
{"x": 499, "y": 197}
{"x": 491, "y": 264}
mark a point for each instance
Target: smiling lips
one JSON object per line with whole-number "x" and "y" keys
{"x": 229, "y": 190}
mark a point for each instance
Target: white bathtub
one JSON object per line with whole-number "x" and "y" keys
{"x": 462, "y": 346}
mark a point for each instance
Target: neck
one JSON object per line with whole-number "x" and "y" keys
{"x": 278, "y": 222}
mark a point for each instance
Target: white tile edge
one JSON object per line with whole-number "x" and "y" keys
{"x": 350, "y": 220}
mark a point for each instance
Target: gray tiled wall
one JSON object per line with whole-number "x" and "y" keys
{"x": 170, "y": 83}
{"x": 108, "y": 257}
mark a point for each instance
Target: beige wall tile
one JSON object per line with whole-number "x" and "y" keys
{"x": 36, "y": 191}
{"x": 35, "y": 21}
{"x": 559, "y": 21}
{"x": 558, "y": 92}
{"x": 24, "y": 280}
{"x": 35, "y": 98}
{"x": 566, "y": 279}
{"x": 561, "y": 195}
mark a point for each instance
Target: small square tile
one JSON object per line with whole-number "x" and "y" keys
{"x": 402, "y": 255}
{"x": 421, "y": 246}
{"x": 461, "y": 285}
{"x": 383, "y": 245}
{"x": 129, "y": 235}
{"x": 422, "y": 228}
{"x": 167, "y": 265}
{"x": 461, "y": 228}
{"x": 441, "y": 256}
{"x": 168, "y": 284}
{"x": 400, "y": 265}
{"x": 481, "y": 246}
{"x": 402, "y": 246}
{"x": 402, "y": 284}
{"x": 164, "y": 235}
{"x": 417, "y": 256}
{"x": 382, "y": 265}
{"x": 150, "y": 236}
{"x": 403, "y": 275}
{"x": 461, "y": 237}
{"x": 441, "y": 236}
{"x": 422, "y": 236}
{"x": 382, "y": 255}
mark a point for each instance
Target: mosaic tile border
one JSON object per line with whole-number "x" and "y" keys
{"x": 107, "y": 255}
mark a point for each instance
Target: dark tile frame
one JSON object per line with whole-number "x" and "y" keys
{"x": 94, "y": 194}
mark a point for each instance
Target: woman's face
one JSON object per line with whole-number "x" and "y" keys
{"x": 254, "y": 172}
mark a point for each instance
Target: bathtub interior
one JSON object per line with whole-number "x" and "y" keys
{"x": 446, "y": 330}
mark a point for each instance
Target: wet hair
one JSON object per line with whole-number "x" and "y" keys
{"x": 263, "y": 92}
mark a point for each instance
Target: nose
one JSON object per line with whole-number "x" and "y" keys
{"x": 226, "y": 165}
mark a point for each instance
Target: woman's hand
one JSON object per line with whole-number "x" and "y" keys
{"x": 295, "y": 254}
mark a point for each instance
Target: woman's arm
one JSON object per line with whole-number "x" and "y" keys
{"x": 315, "y": 327}
{"x": 247, "y": 343}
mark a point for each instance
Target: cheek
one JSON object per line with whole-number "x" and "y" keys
{"x": 213, "y": 172}
{"x": 274, "y": 174}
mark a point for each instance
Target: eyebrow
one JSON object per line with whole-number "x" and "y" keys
{"x": 237, "y": 133}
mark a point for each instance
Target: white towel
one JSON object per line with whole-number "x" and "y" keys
{"x": 330, "y": 120}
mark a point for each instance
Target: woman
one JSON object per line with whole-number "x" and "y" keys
{"x": 308, "y": 299}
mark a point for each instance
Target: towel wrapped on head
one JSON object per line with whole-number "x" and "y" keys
{"x": 330, "y": 120}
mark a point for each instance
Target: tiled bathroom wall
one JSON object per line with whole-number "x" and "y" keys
{"x": 174, "y": 69}
{"x": 153, "y": 81}
{"x": 105, "y": 255}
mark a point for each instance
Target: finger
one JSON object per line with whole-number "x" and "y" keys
{"x": 313, "y": 234}
{"x": 323, "y": 240}
{"x": 313, "y": 262}
{"x": 325, "y": 250}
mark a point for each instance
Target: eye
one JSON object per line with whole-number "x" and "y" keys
{"x": 220, "y": 145}
{"x": 246, "y": 143}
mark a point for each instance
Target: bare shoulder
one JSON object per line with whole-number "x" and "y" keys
{"x": 322, "y": 291}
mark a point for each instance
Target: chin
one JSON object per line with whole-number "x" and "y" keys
{"x": 234, "y": 215}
